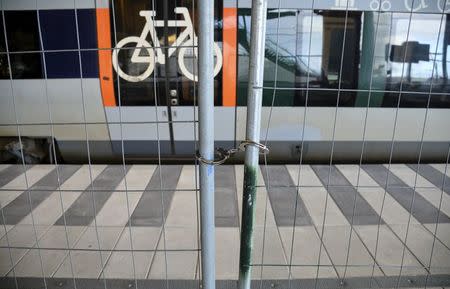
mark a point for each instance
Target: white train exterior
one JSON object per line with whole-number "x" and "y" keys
{"x": 342, "y": 78}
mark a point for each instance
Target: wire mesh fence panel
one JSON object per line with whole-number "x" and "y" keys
{"x": 99, "y": 179}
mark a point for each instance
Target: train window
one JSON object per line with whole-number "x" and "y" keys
{"x": 166, "y": 78}
{"x": 299, "y": 65}
{"x": 23, "y": 37}
{"x": 359, "y": 57}
{"x": 4, "y": 68}
{"x": 59, "y": 32}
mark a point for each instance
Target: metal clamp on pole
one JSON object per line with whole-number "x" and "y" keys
{"x": 224, "y": 154}
{"x": 262, "y": 148}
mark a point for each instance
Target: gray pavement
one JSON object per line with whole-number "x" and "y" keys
{"x": 371, "y": 226}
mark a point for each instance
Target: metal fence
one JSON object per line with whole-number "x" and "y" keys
{"x": 344, "y": 81}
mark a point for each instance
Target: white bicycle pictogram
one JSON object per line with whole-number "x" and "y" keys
{"x": 444, "y": 5}
{"x": 185, "y": 43}
{"x": 418, "y": 5}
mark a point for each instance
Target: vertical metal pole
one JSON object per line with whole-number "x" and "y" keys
{"x": 206, "y": 138}
{"x": 254, "y": 103}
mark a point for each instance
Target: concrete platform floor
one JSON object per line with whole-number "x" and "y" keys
{"x": 80, "y": 226}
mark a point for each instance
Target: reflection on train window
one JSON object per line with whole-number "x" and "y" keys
{"x": 22, "y": 30}
{"x": 166, "y": 81}
{"x": 287, "y": 47}
{"x": 4, "y": 69}
{"x": 23, "y": 35}
{"x": 304, "y": 49}
{"x": 26, "y": 65}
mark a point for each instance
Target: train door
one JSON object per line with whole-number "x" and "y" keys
{"x": 158, "y": 82}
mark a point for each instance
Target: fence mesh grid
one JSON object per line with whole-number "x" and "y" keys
{"x": 318, "y": 226}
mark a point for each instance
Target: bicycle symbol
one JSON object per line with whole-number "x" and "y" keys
{"x": 385, "y": 5}
{"x": 444, "y": 5}
{"x": 418, "y": 5}
{"x": 186, "y": 39}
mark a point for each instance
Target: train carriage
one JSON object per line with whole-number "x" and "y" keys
{"x": 119, "y": 77}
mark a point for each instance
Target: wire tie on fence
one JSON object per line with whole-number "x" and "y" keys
{"x": 226, "y": 154}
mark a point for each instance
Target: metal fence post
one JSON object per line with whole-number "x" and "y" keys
{"x": 254, "y": 104}
{"x": 206, "y": 139}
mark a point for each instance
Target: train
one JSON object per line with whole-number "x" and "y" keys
{"x": 113, "y": 80}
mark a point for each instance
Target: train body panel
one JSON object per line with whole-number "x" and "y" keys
{"x": 382, "y": 97}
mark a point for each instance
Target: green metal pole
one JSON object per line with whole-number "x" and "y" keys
{"x": 254, "y": 106}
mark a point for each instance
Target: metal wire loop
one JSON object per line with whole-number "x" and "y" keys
{"x": 226, "y": 154}
{"x": 263, "y": 149}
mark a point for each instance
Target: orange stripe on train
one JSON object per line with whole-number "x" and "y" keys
{"x": 104, "y": 56}
{"x": 229, "y": 56}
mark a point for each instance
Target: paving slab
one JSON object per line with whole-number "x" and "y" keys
{"x": 8, "y": 257}
{"x": 287, "y": 206}
{"x": 117, "y": 209}
{"x": 305, "y": 253}
{"x": 91, "y": 201}
{"x": 128, "y": 265}
{"x": 410, "y": 176}
{"x": 337, "y": 242}
{"x": 158, "y": 195}
{"x": 307, "y": 176}
{"x": 273, "y": 254}
{"x": 82, "y": 264}
{"x": 180, "y": 265}
{"x": 421, "y": 209}
{"x": 10, "y": 172}
{"x": 23, "y": 236}
{"x": 60, "y": 237}
{"x": 389, "y": 251}
{"x": 49, "y": 211}
{"x": 144, "y": 238}
{"x": 179, "y": 238}
{"x": 93, "y": 237}
{"x": 421, "y": 243}
{"x": 137, "y": 178}
{"x": 226, "y": 207}
{"x": 433, "y": 175}
{"x": 82, "y": 178}
{"x": 442, "y": 232}
{"x": 25, "y": 181}
{"x": 355, "y": 208}
{"x": 21, "y": 206}
{"x": 7, "y": 197}
{"x": 39, "y": 263}
{"x": 315, "y": 201}
{"x": 4, "y": 229}
{"x": 442, "y": 167}
{"x": 227, "y": 253}
{"x": 438, "y": 198}
{"x": 357, "y": 176}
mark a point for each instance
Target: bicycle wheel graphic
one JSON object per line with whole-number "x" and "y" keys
{"x": 188, "y": 60}
{"x": 418, "y": 5}
{"x": 138, "y": 74}
{"x": 444, "y": 5}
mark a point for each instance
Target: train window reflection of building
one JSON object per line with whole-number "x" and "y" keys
{"x": 23, "y": 35}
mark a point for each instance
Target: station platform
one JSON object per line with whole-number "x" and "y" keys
{"x": 137, "y": 226}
